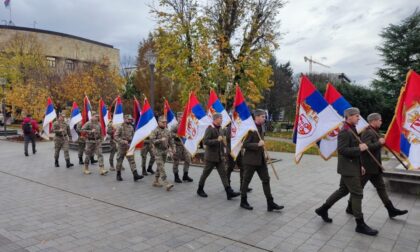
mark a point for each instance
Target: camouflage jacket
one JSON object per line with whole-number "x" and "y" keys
{"x": 157, "y": 136}
{"x": 110, "y": 131}
{"x": 174, "y": 132}
{"x": 92, "y": 135}
{"x": 61, "y": 129}
{"x": 125, "y": 132}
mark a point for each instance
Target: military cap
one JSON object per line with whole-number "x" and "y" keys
{"x": 373, "y": 117}
{"x": 217, "y": 115}
{"x": 162, "y": 118}
{"x": 351, "y": 111}
{"x": 259, "y": 112}
{"x": 128, "y": 117}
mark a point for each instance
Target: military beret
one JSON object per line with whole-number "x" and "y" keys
{"x": 217, "y": 115}
{"x": 162, "y": 118}
{"x": 374, "y": 116}
{"x": 351, "y": 111}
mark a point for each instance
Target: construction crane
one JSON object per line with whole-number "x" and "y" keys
{"x": 311, "y": 61}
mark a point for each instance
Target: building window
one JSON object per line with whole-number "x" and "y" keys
{"x": 69, "y": 64}
{"x": 51, "y": 62}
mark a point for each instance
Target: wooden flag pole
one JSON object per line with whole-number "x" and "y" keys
{"x": 368, "y": 151}
{"x": 269, "y": 159}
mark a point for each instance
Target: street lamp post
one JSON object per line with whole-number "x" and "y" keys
{"x": 151, "y": 59}
{"x": 3, "y": 82}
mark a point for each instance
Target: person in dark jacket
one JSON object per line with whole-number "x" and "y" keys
{"x": 213, "y": 141}
{"x": 254, "y": 160}
{"x": 30, "y": 129}
{"x": 349, "y": 167}
{"x": 374, "y": 141}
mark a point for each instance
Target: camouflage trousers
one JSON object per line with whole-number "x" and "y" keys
{"x": 112, "y": 153}
{"x": 122, "y": 151}
{"x": 160, "y": 163}
{"x": 181, "y": 154}
{"x": 61, "y": 143}
{"x": 81, "y": 146}
{"x": 92, "y": 148}
{"x": 147, "y": 148}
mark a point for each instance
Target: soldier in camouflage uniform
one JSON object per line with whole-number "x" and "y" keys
{"x": 61, "y": 140}
{"x": 162, "y": 145}
{"x": 180, "y": 154}
{"x": 93, "y": 144}
{"x": 110, "y": 131}
{"x": 123, "y": 137}
{"x": 147, "y": 148}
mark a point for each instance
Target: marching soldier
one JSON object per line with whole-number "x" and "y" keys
{"x": 373, "y": 173}
{"x": 254, "y": 160}
{"x": 162, "y": 144}
{"x": 213, "y": 141}
{"x": 147, "y": 148}
{"x": 180, "y": 154}
{"x": 123, "y": 137}
{"x": 349, "y": 167}
{"x": 61, "y": 140}
{"x": 93, "y": 144}
{"x": 110, "y": 131}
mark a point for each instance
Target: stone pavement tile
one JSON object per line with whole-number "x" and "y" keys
{"x": 382, "y": 244}
{"x": 286, "y": 247}
{"x": 402, "y": 248}
{"x": 328, "y": 248}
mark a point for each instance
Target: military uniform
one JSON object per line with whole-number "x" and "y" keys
{"x": 162, "y": 142}
{"x": 147, "y": 148}
{"x": 180, "y": 154}
{"x": 123, "y": 137}
{"x": 214, "y": 158}
{"x": 81, "y": 142}
{"x": 93, "y": 145}
{"x": 110, "y": 131}
{"x": 61, "y": 141}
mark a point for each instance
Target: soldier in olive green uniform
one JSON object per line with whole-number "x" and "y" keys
{"x": 374, "y": 141}
{"x": 123, "y": 137}
{"x": 180, "y": 154}
{"x": 349, "y": 167}
{"x": 61, "y": 140}
{"x": 254, "y": 160}
{"x": 93, "y": 144}
{"x": 110, "y": 131}
{"x": 162, "y": 145}
{"x": 214, "y": 155}
{"x": 147, "y": 148}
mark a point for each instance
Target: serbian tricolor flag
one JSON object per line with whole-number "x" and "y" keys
{"x": 242, "y": 123}
{"x": 215, "y": 106}
{"x": 144, "y": 128}
{"x": 193, "y": 124}
{"x": 328, "y": 144}
{"x": 75, "y": 118}
{"x": 87, "y": 111}
{"x": 103, "y": 116}
{"x": 118, "y": 117}
{"x": 49, "y": 117}
{"x": 403, "y": 135}
{"x": 169, "y": 114}
{"x": 314, "y": 119}
{"x": 136, "y": 117}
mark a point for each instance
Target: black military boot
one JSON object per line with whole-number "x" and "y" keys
{"x": 93, "y": 161}
{"x": 119, "y": 178}
{"x": 230, "y": 193}
{"x": 323, "y": 212}
{"x": 201, "y": 192}
{"x": 363, "y": 228}
{"x": 56, "y": 163}
{"x": 68, "y": 164}
{"x": 271, "y": 205}
{"x": 150, "y": 170}
{"x": 186, "y": 177}
{"x": 177, "y": 179}
{"x": 392, "y": 211}
{"x": 81, "y": 161}
{"x": 136, "y": 176}
{"x": 349, "y": 209}
{"x": 143, "y": 171}
{"x": 245, "y": 204}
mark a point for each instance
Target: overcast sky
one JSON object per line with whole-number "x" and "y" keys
{"x": 340, "y": 34}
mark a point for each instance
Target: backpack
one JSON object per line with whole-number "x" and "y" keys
{"x": 27, "y": 128}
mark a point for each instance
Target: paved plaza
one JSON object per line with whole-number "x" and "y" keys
{"x": 43, "y": 208}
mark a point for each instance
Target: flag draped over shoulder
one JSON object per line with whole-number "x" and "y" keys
{"x": 118, "y": 117}
{"x": 49, "y": 117}
{"x": 242, "y": 123}
{"x": 169, "y": 114}
{"x": 75, "y": 118}
{"x": 144, "y": 127}
{"x": 314, "y": 119}
{"x": 215, "y": 106}
{"x": 328, "y": 144}
{"x": 193, "y": 124}
{"x": 103, "y": 116}
{"x": 403, "y": 135}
